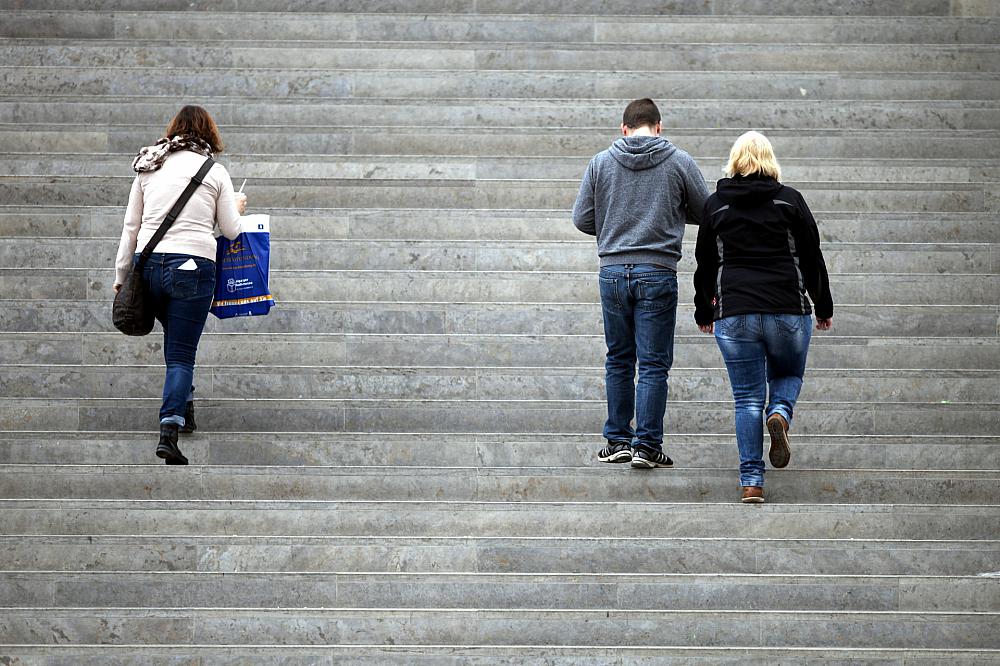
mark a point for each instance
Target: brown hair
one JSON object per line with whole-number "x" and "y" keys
{"x": 195, "y": 121}
{"x": 640, "y": 113}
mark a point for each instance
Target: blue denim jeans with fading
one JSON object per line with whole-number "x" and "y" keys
{"x": 182, "y": 300}
{"x": 765, "y": 355}
{"x": 639, "y": 303}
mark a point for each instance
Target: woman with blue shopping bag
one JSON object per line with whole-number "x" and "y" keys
{"x": 180, "y": 275}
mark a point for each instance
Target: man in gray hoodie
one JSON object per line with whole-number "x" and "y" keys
{"x": 636, "y": 197}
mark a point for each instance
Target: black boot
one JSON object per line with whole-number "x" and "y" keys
{"x": 189, "y": 425}
{"x": 167, "y": 448}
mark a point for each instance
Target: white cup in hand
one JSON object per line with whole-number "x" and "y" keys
{"x": 241, "y": 202}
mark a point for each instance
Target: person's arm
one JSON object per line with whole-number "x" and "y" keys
{"x": 707, "y": 258}
{"x": 695, "y": 191}
{"x": 583, "y": 209}
{"x": 227, "y": 214}
{"x": 130, "y": 234}
{"x": 812, "y": 265}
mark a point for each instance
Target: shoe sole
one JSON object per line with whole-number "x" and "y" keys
{"x": 619, "y": 457}
{"x": 642, "y": 463}
{"x": 779, "y": 453}
{"x": 753, "y": 500}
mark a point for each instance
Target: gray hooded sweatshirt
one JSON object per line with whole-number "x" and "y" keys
{"x": 636, "y": 197}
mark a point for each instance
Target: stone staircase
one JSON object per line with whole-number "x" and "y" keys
{"x": 396, "y": 466}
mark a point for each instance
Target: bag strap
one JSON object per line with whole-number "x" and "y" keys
{"x": 176, "y": 210}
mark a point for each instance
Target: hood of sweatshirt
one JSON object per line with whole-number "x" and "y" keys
{"x": 641, "y": 152}
{"x": 747, "y": 189}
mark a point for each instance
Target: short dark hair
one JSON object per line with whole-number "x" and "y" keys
{"x": 640, "y": 113}
{"x": 195, "y": 121}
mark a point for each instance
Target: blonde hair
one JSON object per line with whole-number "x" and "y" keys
{"x": 752, "y": 153}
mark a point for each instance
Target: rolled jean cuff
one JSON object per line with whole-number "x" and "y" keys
{"x": 179, "y": 420}
{"x": 647, "y": 446}
{"x": 779, "y": 409}
{"x": 757, "y": 481}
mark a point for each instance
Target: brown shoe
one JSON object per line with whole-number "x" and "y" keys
{"x": 777, "y": 427}
{"x": 753, "y": 495}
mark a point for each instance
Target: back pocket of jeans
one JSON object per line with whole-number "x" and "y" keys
{"x": 730, "y": 326}
{"x": 181, "y": 284}
{"x": 788, "y": 325}
{"x": 657, "y": 293}
{"x": 609, "y": 292}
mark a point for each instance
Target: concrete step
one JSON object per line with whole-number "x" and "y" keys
{"x": 489, "y": 7}
{"x": 499, "y": 519}
{"x": 507, "y": 256}
{"x": 857, "y": 288}
{"x": 581, "y": 381}
{"x": 544, "y": 655}
{"x": 493, "y": 224}
{"x": 302, "y": 627}
{"x": 458, "y": 554}
{"x": 361, "y": 317}
{"x": 506, "y": 286}
{"x": 529, "y": 141}
{"x": 492, "y": 591}
{"x": 971, "y": 25}
{"x": 282, "y": 82}
{"x": 488, "y": 416}
{"x": 209, "y": 446}
{"x": 261, "y": 168}
{"x": 410, "y": 483}
{"x": 267, "y": 349}
{"x": 229, "y": 112}
{"x": 514, "y": 193}
{"x": 555, "y": 56}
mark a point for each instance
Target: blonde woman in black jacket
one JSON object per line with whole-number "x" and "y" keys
{"x": 758, "y": 258}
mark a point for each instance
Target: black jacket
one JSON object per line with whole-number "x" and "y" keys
{"x": 758, "y": 252}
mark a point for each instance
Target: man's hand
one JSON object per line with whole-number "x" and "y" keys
{"x": 824, "y": 324}
{"x": 117, "y": 288}
{"x": 241, "y": 203}
{"x": 707, "y": 328}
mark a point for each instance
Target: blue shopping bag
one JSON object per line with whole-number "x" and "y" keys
{"x": 241, "y": 268}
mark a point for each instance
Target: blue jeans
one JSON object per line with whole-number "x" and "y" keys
{"x": 639, "y": 303}
{"x": 761, "y": 348}
{"x": 182, "y": 299}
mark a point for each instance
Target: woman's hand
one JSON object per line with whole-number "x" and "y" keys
{"x": 824, "y": 324}
{"x": 707, "y": 328}
{"x": 117, "y": 288}
{"x": 241, "y": 203}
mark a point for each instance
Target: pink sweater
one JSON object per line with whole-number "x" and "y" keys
{"x": 154, "y": 193}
